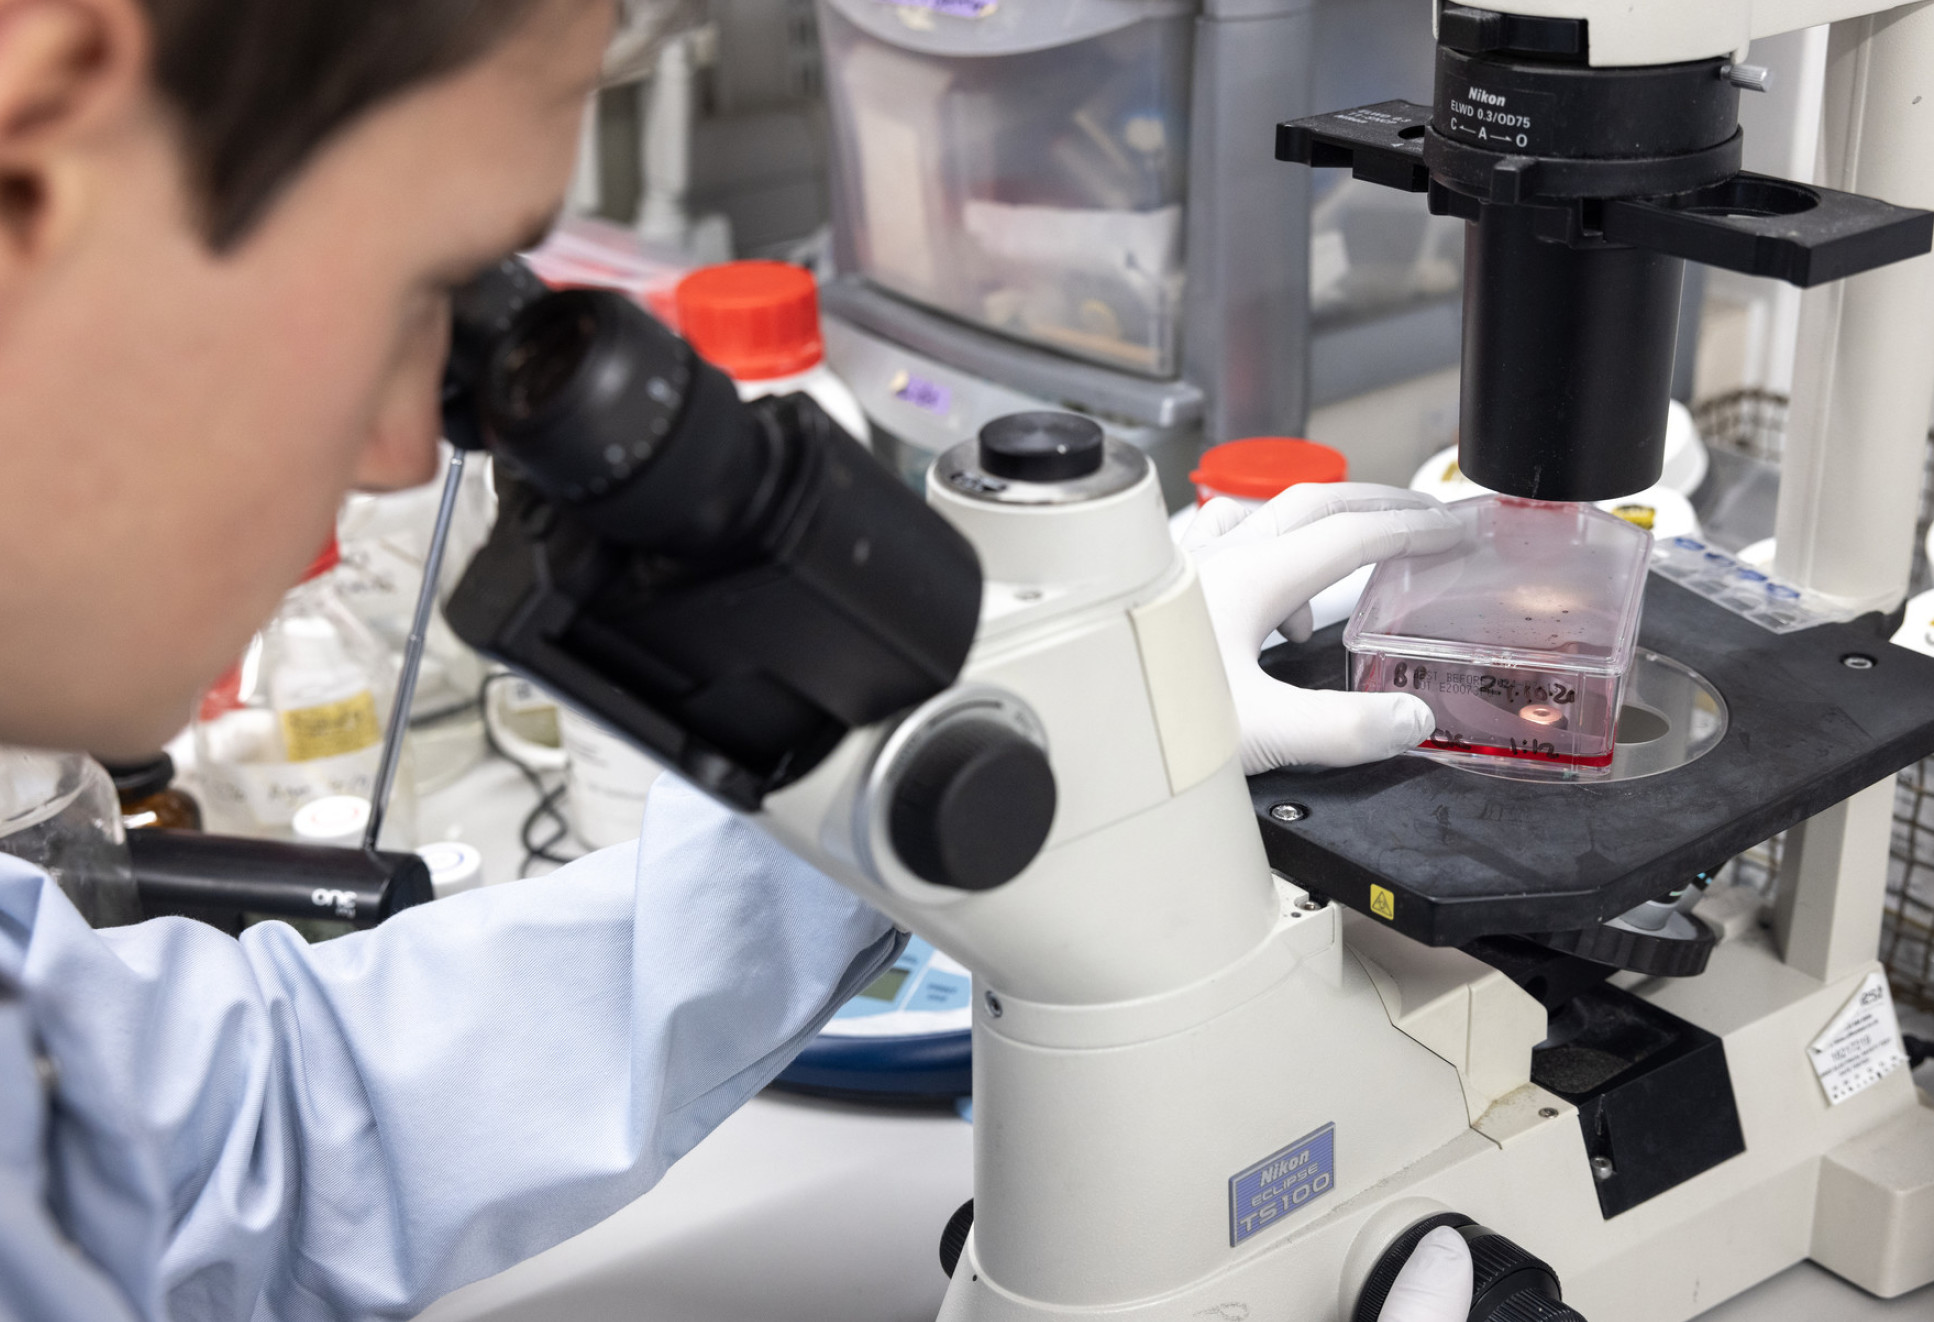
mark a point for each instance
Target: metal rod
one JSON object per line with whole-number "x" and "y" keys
{"x": 399, "y": 714}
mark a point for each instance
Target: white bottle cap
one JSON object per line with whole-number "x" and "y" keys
{"x": 339, "y": 819}
{"x": 454, "y": 866}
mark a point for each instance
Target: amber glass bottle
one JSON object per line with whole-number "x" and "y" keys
{"x": 149, "y": 797}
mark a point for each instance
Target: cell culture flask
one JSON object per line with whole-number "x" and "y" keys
{"x": 1519, "y": 638}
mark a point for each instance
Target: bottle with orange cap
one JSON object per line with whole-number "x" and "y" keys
{"x": 300, "y": 716}
{"x": 1256, "y": 470}
{"x": 758, "y": 322}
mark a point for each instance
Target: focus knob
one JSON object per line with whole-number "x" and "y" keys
{"x": 1508, "y": 1284}
{"x": 1041, "y": 447}
{"x": 973, "y": 805}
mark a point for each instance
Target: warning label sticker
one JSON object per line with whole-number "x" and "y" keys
{"x": 1862, "y": 1045}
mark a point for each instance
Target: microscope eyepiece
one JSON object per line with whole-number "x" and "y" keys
{"x": 583, "y": 391}
{"x": 733, "y": 585}
{"x": 546, "y": 360}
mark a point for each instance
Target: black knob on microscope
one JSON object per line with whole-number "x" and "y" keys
{"x": 1508, "y": 1284}
{"x": 1041, "y": 447}
{"x": 972, "y": 806}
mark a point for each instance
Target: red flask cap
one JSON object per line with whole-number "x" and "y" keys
{"x": 752, "y": 320}
{"x": 1263, "y": 467}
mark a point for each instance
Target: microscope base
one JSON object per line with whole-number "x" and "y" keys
{"x": 1849, "y": 1185}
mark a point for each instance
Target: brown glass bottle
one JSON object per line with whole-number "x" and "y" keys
{"x": 149, "y": 798}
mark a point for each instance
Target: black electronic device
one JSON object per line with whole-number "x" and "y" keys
{"x": 732, "y": 586}
{"x": 222, "y": 879}
{"x": 1587, "y": 190}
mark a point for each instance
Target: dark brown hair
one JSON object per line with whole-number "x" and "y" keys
{"x": 259, "y": 85}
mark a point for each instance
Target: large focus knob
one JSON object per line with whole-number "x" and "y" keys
{"x": 1041, "y": 447}
{"x": 973, "y": 805}
{"x": 1508, "y": 1284}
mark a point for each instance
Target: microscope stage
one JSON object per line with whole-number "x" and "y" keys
{"x": 1446, "y": 855}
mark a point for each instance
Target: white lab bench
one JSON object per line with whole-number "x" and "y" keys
{"x": 799, "y": 1210}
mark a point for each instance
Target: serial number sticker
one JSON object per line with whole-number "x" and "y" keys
{"x": 1383, "y": 903}
{"x": 1282, "y": 1183}
{"x": 1862, "y": 1045}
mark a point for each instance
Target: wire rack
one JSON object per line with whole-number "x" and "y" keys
{"x": 1753, "y": 423}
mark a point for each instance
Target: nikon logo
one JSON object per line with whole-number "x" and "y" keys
{"x": 1488, "y": 97}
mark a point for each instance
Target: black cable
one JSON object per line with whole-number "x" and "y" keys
{"x": 535, "y": 851}
{"x": 1919, "y": 1050}
{"x": 423, "y": 720}
{"x": 549, "y": 798}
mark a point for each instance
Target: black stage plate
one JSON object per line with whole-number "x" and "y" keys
{"x": 1464, "y": 855}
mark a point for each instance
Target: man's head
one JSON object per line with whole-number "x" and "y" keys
{"x": 227, "y": 233}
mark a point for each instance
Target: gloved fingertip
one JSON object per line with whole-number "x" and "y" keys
{"x": 1391, "y": 723}
{"x": 1442, "y": 1257}
{"x": 1435, "y": 1284}
{"x": 1414, "y": 720}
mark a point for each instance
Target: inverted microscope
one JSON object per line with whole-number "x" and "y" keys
{"x": 1239, "y": 1044}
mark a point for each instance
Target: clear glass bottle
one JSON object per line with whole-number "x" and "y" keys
{"x": 1519, "y": 638}
{"x": 59, "y": 812}
{"x": 300, "y": 717}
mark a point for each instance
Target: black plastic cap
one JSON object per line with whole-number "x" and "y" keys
{"x": 135, "y": 781}
{"x": 973, "y": 806}
{"x": 1041, "y": 447}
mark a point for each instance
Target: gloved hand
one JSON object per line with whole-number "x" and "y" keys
{"x": 1259, "y": 572}
{"x": 1435, "y": 1285}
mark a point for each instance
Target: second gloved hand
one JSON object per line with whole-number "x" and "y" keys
{"x": 1259, "y": 571}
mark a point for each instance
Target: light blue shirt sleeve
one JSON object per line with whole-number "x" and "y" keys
{"x": 271, "y": 1130}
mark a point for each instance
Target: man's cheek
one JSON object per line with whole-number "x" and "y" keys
{"x": 399, "y": 449}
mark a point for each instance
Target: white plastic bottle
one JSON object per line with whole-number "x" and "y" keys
{"x": 300, "y": 717}
{"x": 758, "y": 322}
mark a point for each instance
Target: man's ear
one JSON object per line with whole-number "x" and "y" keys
{"x": 72, "y": 73}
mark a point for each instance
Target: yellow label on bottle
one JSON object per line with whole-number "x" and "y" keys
{"x": 331, "y": 728}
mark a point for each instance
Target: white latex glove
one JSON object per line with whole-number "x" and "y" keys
{"x": 1435, "y": 1285}
{"x": 1259, "y": 572}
